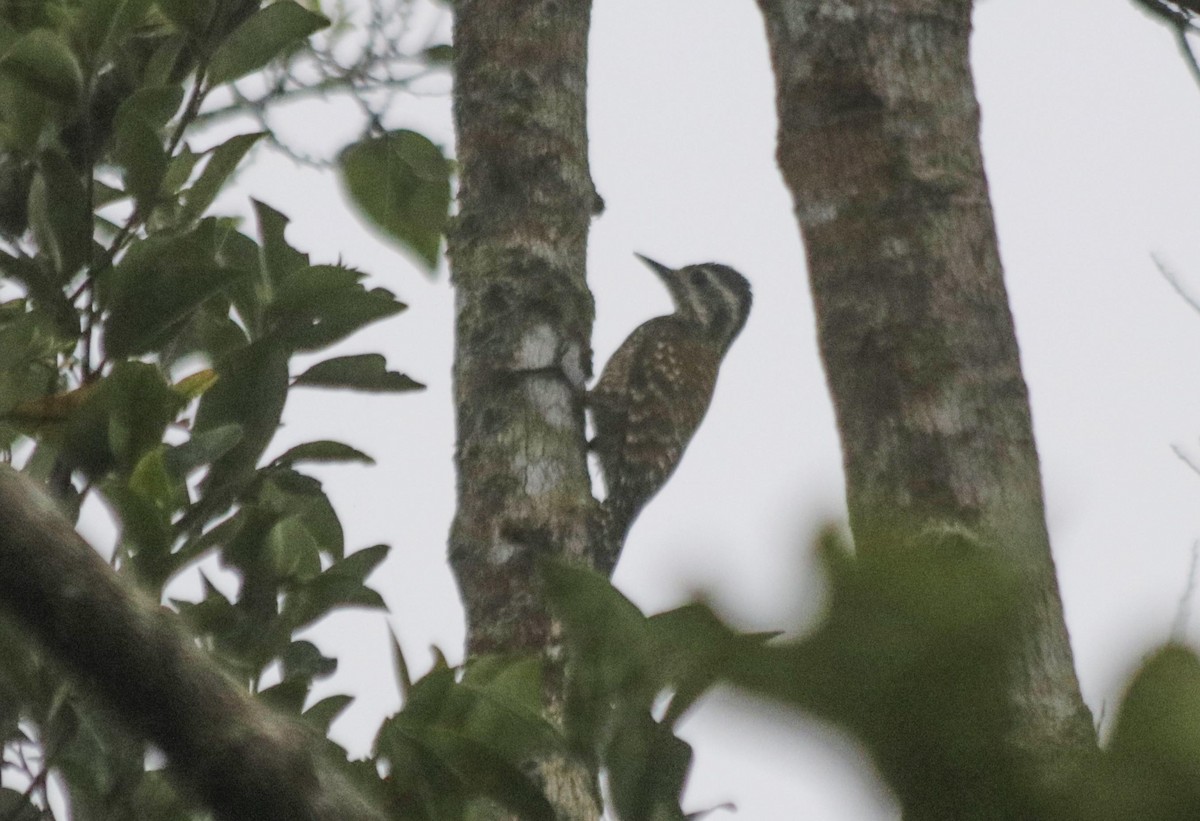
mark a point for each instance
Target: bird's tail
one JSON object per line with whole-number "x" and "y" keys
{"x": 616, "y": 517}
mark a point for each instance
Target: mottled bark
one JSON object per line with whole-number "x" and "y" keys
{"x": 224, "y": 747}
{"x": 523, "y": 328}
{"x": 879, "y": 144}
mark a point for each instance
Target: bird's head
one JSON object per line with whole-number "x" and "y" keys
{"x": 714, "y": 296}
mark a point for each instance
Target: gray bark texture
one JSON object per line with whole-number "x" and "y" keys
{"x": 227, "y": 749}
{"x": 879, "y": 145}
{"x": 523, "y": 329}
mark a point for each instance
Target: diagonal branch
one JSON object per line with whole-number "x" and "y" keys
{"x": 236, "y": 755}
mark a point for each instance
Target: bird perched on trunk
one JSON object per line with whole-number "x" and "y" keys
{"x": 656, "y": 388}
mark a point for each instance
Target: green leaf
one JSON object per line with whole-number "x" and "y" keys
{"x": 647, "y": 767}
{"x": 693, "y": 650}
{"x": 213, "y": 600}
{"x": 403, "y": 676}
{"x": 192, "y": 16}
{"x": 179, "y": 171}
{"x": 195, "y": 385}
{"x": 325, "y": 450}
{"x": 1159, "y": 721}
{"x": 326, "y": 711}
{"x": 359, "y": 564}
{"x": 429, "y": 698}
{"x": 201, "y": 449}
{"x": 45, "y": 64}
{"x": 304, "y": 289}
{"x": 287, "y": 696}
{"x": 294, "y": 551}
{"x": 120, "y": 419}
{"x": 294, "y": 494}
{"x": 16, "y": 177}
{"x": 104, "y": 194}
{"x": 418, "y": 781}
{"x": 609, "y": 632}
{"x": 302, "y": 659}
{"x": 251, "y": 391}
{"x": 141, "y": 404}
{"x": 439, "y": 55}
{"x": 515, "y": 681}
{"x": 482, "y": 772}
{"x": 15, "y": 806}
{"x": 210, "y": 332}
{"x": 159, "y": 283}
{"x": 153, "y": 105}
{"x": 44, "y": 290}
{"x": 270, "y": 33}
{"x": 222, "y": 162}
{"x": 197, "y": 545}
{"x": 314, "y": 306}
{"x": 142, "y": 158}
{"x": 503, "y": 707}
{"x": 1149, "y": 770}
{"x": 911, "y": 657}
{"x": 104, "y": 18}
{"x": 139, "y": 149}
{"x": 325, "y": 594}
{"x": 60, "y": 214}
{"x": 362, "y": 372}
{"x": 609, "y": 642}
{"x": 342, "y": 585}
{"x": 144, "y": 505}
{"x": 171, "y": 55}
{"x": 156, "y": 798}
{"x": 343, "y": 314}
{"x": 28, "y": 116}
{"x": 401, "y": 183}
{"x": 279, "y": 259}
{"x": 151, "y": 481}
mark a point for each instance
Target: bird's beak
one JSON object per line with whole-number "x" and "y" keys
{"x": 663, "y": 271}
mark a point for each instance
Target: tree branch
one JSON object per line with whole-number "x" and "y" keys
{"x": 237, "y": 756}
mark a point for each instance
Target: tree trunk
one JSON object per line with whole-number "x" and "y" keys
{"x": 523, "y": 329}
{"x": 879, "y": 144}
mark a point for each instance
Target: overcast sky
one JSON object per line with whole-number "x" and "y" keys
{"x": 1091, "y": 125}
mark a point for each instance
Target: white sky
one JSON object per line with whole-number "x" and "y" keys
{"x": 1091, "y": 125}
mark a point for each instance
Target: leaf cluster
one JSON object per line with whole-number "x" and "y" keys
{"x": 146, "y": 357}
{"x": 466, "y": 736}
{"x": 912, "y": 657}
{"x": 630, "y": 679}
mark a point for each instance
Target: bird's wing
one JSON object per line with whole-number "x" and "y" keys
{"x": 648, "y": 403}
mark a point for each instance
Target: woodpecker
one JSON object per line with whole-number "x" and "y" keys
{"x": 656, "y": 388}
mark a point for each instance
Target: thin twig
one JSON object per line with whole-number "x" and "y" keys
{"x": 1185, "y": 48}
{"x": 1184, "y": 612}
{"x": 1187, "y": 460}
{"x": 1174, "y": 282}
{"x": 1180, "y": 16}
{"x": 1158, "y": 8}
{"x": 199, "y": 91}
{"x": 322, "y": 88}
{"x": 379, "y": 70}
{"x": 38, "y": 784}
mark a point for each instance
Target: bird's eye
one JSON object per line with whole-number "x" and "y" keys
{"x": 700, "y": 279}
